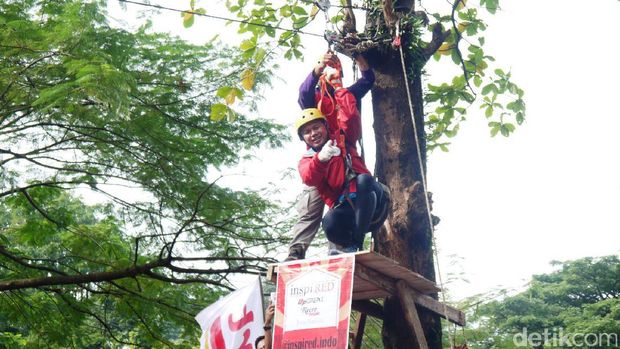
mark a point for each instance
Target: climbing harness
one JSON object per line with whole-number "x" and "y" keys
{"x": 423, "y": 175}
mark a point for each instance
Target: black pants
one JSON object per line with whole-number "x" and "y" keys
{"x": 347, "y": 226}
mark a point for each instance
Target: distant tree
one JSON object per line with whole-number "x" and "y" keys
{"x": 136, "y": 119}
{"x": 583, "y": 296}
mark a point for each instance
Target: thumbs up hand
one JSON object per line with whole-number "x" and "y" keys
{"x": 329, "y": 150}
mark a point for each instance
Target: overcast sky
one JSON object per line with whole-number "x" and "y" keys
{"x": 508, "y": 206}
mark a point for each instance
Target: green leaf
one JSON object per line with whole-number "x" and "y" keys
{"x": 336, "y": 19}
{"x": 231, "y": 116}
{"x": 188, "y": 20}
{"x": 494, "y": 131}
{"x": 260, "y": 55}
{"x": 223, "y": 91}
{"x": 247, "y": 55}
{"x": 298, "y": 10}
{"x": 505, "y": 131}
{"x": 286, "y": 11}
{"x": 247, "y": 44}
{"x": 488, "y": 89}
{"x": 300, "y": 22}
{"x": 455, "y": 57}
{"x": 288, "y": 54}
{"x": 286, "y": 35}
{"x": 488, "y": 112}
{"x": 218, "y": 111}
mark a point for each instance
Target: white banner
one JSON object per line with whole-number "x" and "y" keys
{"x": 233, "y": 322}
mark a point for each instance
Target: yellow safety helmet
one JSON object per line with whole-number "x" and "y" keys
{"x": 308, "y": 115}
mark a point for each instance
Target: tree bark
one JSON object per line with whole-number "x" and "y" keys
{"x": 407, "y": 238}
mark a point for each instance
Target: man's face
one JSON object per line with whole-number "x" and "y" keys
{"x": 314, "y": 133}
{"x": 261, "y": 345}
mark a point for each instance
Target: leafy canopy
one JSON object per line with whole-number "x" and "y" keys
{"x": 451, "y": 30}
{"x": 581, "y": 297}
{"x": 130, "y": 120}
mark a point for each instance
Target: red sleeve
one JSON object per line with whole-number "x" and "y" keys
{"x": 312, "y": 171}
{"x": 348, "y": 116}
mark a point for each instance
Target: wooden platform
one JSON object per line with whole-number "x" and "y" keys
{"x": 377, "y": 276}
{"x": 373, "y": 270}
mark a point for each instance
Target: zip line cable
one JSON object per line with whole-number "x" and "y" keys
{"x": 338, "y": 6}
{"x": 220, "y": 18}
{"x": 423, "y": 175}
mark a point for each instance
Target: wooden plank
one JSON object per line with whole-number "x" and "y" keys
{"x": 370, "y": 283}
{"x": 362, "y": 285}
{"x": 369, "y": 308}
{"x": 383, "y": 265}
{"x": 359, "y": 331}
{"x": 411, "y": 314}
{"x": 454, "y": 315}
{"x": 391, "y": 268}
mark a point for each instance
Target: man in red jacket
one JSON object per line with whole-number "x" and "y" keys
{"x": 357, "y": 202}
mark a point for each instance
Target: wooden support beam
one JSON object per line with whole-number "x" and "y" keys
{"x": 411, "y": 314}
{"x": 369, "y": 308}
{"x": 359, "y": 331}
{"x": 388, "y": 284}
{"x": 383, "y": 282}
{"x": 454, "y": 315}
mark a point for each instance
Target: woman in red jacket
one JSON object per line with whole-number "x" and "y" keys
{"x": 357, "y": 205}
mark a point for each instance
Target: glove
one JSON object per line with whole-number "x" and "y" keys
{"x": 322, "y": 63}
{"x": 332, "y": 75}
{"x": 329, "y": 150}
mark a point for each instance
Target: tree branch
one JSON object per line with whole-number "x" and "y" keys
{"x": 22, "y": 262}
{"x": 456, "y": 44}
{"x": 82, "y": 278}
{"x": 437, "y": 40}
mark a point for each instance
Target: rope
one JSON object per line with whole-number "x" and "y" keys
{"x": 359, "y": 109}
{"x": 423, "y": 175}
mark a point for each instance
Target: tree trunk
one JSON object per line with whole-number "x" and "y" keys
{"x": 407, "y": 238}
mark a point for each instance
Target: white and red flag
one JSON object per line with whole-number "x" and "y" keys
{"x": 235, "y": 321}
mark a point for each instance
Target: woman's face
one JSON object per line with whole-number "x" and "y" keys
{"x": 314, "y": 133}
